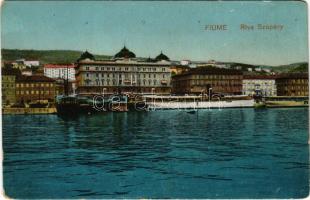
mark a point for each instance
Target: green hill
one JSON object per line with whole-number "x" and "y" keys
{"x": 45, "y": 56}
{"x": 294, "y": 67}
{"x": 300, "y": 67}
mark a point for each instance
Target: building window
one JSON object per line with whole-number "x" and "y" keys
{"x": 164, "y": 69}
{"x": 154, "y": 75}
{"x": 87, "y": 75}
{"x": 97, "y": 68}
{"x": 87, "y": 68}
{"x": 163, "y": 75}
{"x": 149, "y": 75}
{"x": 97, "y": 75}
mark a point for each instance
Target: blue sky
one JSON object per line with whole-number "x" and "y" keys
{"x": 176, "y": 28}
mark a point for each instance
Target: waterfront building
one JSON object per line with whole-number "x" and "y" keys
{"x": 124, "y": 73}
{"x": 263, "y": 85}
{"x": 63, "y": 71}
{"x": 293, "y": 84}
{"x": 8, "y": 77}
{"x": 204, "y": 79}
{"x": 35, "y": 88}
{"x": 178, "y": 69}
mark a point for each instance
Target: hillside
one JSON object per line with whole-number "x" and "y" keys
{"x": 70, "y": 56}
{"x": 300, "y": 67}
{"x": 294, "y": 67}
{"x": 45, "y": 56}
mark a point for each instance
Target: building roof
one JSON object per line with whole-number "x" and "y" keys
{"x": 35, "y": 78}
{"x": 150, "y": 60}
{"x": 121, "y": 63}
{"x": 180, "y": 66}
{"x": 293, "y": 76}
{"x": 254, "y": 76}
{"x": 125, "y": 53}
{"x": 210, "y": 70}
{"x": 86, "y": 55}
{"x": 59, "y": 66}
{"x": 162, "y": 56}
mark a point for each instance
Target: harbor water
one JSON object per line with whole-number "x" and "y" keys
{"x": 228, "y": 153}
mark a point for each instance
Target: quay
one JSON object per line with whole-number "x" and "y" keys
{"x": 286, "y": 101}
{"x": 24, "y": 111}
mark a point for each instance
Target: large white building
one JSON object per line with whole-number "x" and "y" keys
{"x": 259, "y": 85}
{"x": 124, "y": 73}
{"x": 60, "y": 71}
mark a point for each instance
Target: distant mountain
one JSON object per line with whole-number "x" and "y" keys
{"x": 45, "y": 56}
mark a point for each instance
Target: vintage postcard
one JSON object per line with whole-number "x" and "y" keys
{"x": 155, "y": 99}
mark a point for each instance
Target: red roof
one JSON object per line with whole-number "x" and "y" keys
{"x": 59, "y": 66}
